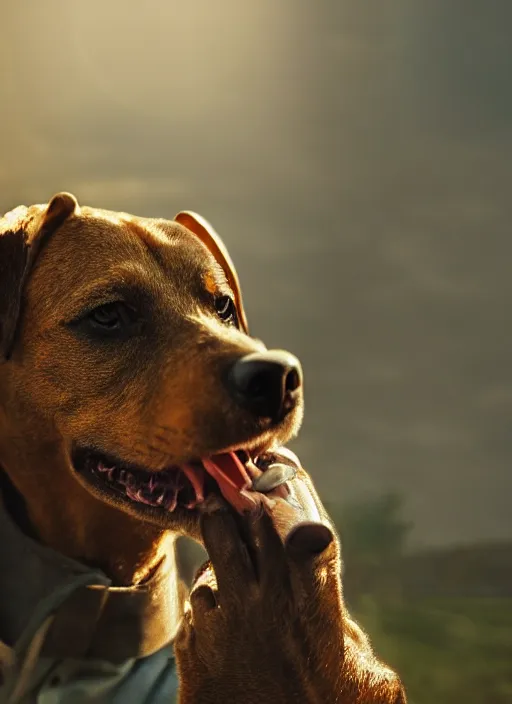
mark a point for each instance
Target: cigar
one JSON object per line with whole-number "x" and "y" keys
{"x": 275, "y": 475}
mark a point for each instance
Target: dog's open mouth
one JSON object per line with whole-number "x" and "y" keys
{"x": 233, "y": 474}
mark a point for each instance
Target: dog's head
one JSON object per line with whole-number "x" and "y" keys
{"x": 125, "y": 362}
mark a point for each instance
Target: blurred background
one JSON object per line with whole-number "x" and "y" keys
{"x": 356, "y": 157}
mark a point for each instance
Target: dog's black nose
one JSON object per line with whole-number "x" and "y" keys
{"x": 267, "y": 383}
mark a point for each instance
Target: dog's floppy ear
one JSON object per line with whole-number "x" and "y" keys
{"x": 22, "y": 233}
{"x": 202, "y": 229}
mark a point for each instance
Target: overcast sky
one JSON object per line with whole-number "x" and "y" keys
{"x": 357, "y": 159}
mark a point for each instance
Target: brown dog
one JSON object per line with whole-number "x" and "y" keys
{"x": 130, "y": 392}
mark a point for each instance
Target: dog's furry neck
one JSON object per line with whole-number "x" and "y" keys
{"x": 125, "y": 549}
{"x": 63, "y": 515}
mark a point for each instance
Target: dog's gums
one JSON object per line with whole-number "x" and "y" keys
{"x": 232, "y": 474}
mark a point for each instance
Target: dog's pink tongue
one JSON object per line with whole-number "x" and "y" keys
{"x": 231, "y": 476}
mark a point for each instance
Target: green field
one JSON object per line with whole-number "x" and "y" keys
{"x": 456, "y": 651}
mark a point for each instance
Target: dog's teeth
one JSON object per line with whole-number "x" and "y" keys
{"x": 125, "y": 477}
{"x": 143, "y": 498}
{"x": 130, "y": 480}
{"x": 159, "y": 489}
{"x": 171, "y": 501}
{"x": 136, "y": 495}
{"x": 131, "y": 495}
{"x": 156, "y": 490}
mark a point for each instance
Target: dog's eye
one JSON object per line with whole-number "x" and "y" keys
{"x": 113, "y": 317}
{"x": 225, "y": 307}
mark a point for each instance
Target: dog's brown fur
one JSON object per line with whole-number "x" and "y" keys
{"x": 154, "y": 400}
